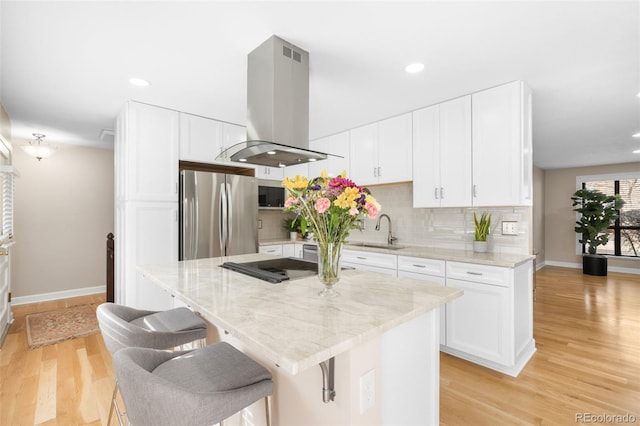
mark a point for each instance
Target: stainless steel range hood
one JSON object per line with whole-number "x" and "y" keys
{"x": 277, "y": 108}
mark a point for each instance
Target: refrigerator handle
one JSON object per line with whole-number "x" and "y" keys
{"x": 195, "y": 225}
{"x": 230, "y": 218}
{"x": 222, "y": 229}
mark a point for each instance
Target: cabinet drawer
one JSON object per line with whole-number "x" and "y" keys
{"x": 494, "y": 275}
{"x": 381, "y": 260}
{"x": 274, "y": 249}
{"x": 421, "y": 265}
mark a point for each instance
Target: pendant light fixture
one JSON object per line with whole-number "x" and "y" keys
{"x": 37, "y": 148}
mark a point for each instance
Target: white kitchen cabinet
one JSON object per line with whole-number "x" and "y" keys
{"x": 151, "y": 238}
{"x": 371, "y": 261}
{"x": 299, "y": 169}
{"x": 382, "y": 152}
{"x": 492, "y": 323}
{"x": 289, "y": 250}
{"x": 232, "y": 134}
{"x": 273, "y": 173}
{"x": 334, "y": 165}
{"x": 502, "y": 154}
{"x": 442, "y": 154}
{"x": 432, "y": 271}
{"x": 274, "y": 249}
{"x": 200, "y": 138}
{"x": 147, "y": 153}
{"x": 298, "y": 250}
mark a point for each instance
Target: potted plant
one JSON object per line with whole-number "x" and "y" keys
{"x": 296, "y": 226}
{"x": 482, "y": 227}
{"x": 597, "y": 211}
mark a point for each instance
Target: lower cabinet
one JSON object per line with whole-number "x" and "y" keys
{"x": 432, "y": 272}
{"x": 371, "y": 261}
{"x": 274, "y": 249}
{"x": 492, "y": 323}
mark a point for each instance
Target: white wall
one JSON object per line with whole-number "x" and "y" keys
{"x": 63, "y": 212}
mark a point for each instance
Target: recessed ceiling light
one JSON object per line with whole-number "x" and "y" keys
{"x": 271, "y": 152}
{"x": 414, "y": 68}
{"x": 312, "y": 160}
{"x": 637, "y": 151}
{"x": 242, "y": 160}
{"x": 638, "y": 95}
{"x": 140, "y": 82}
{"x": 637, "y": 135}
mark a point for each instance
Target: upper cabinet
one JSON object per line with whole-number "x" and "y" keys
{"x": 273, "y": 173}
{"x": 382, "y": 152}
{"x": 146, "y": 153}
{"x": 300, "y": 169}
{"x": 200, "y": 138}
{"x": 232, "y": 134}
{"x": 442, "y": 154}
{"x": 502, "y": 153}
{"x": 335, "y": 164}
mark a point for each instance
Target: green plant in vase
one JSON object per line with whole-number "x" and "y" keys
{"x": 482, "y": 227}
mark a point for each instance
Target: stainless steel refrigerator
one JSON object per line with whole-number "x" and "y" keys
{"x": 218, "y": 215}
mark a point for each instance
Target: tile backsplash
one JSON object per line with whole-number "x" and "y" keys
{"x": 433, "y": 227}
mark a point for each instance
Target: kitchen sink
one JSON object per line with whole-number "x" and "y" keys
{"x": 377, "y": 245}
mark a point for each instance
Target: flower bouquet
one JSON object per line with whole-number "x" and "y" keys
{"x": 331, "y": 208}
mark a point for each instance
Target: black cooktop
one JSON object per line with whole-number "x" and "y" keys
{"x": 275, "y": 270}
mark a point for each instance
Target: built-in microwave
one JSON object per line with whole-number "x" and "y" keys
{"x": 270, "y": 194}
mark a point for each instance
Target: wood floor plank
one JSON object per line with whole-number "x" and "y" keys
{"x": 587, "y": 332}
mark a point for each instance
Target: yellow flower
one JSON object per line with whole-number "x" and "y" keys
{"x": 347, "y": 200}
{"x": 298, "y": 182}
{"x": 323, "y": 174}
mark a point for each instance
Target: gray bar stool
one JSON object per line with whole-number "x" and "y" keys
{"x": 199, "y": 387}
{"x": 124, "y": 327}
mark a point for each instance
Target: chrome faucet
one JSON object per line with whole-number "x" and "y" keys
{"x": 390, "y": 237}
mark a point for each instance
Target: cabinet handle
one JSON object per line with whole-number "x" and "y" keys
{"x": 379, "y": 171}
{"x": 436, "y": 193}
{"x": 419, "y": 266}
{"x": 475, "y": 192}
{"x": 361, "y": 258}
{"x": 474, "y": 273}
{"x": 375, "y": 172}
{"x": 441, "y": 192}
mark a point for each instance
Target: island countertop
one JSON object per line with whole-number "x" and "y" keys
{"x": 289, "y": 323}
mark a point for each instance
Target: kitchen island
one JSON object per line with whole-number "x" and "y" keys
{"x": 382, "y": 333}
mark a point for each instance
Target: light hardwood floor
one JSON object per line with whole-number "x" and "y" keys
{"x": 587, "y": 331}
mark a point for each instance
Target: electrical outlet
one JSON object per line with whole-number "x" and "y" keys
{"x": 509, "y": 228}
{"x": 367, "y": 390}
{"x": 259, "y": 223}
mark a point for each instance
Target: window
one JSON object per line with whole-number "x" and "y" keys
{"x": 624, "y": 234}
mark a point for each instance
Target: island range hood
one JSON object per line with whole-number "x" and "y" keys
{"x": 277, "y": 108}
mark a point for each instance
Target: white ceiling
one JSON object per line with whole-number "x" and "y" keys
{"x": 65, "y": 65}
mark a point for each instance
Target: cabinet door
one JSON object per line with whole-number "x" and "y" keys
{"x": 273, "y": 173}
{"x": 289, "y": 250}
{"x": 363, "y": 154}
{"x": 478, "y": 323}
{"x": 431, "y": 280}
{"x": 395, "y": 156}
{"x": 426, "y": 157}
{"x": 200, "y": 138}
{"x": 455, "y": 153}
{"x": 338, "y": 145}
{"x": 497, "y": 142}
{"x": 151, "y": 143}
{"x": 232, "y": 134}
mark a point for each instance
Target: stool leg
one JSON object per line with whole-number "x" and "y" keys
{"x": 267, "y": 407}
{"x": 113, "y": 402}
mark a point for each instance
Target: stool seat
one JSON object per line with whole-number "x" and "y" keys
{"x": 173, "y": 320}
{"x": 199, "y": 387}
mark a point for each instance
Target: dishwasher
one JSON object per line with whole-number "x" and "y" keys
{"x": 310, "y": 252}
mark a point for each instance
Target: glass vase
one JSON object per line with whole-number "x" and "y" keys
{"x": 329, "y": 255}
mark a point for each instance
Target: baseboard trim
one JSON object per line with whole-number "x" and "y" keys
{"x": 45, "y": 297}
{"x": 579, "y": 266}
{"x": 540, "y": 265}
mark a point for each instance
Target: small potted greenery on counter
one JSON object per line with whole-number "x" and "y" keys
{"x": 482, "y": 227}
{"x": 296, "y": 226}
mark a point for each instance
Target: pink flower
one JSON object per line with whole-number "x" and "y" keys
{"x": 353, "y": 211}
{"x": 290, "y": 201}
{"x": 322, "y": 204}
{"x": 340, "y": 182}
{"x": 371, "y": 209}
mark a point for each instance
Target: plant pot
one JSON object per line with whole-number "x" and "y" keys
{"x": 293, "y": 235}
{"x": 480, "y": 246}
{"x": 594, "y": 264}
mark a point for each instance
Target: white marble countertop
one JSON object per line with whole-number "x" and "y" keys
{"x": 289, "y": 323}
{"x": 507, "y": 260}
